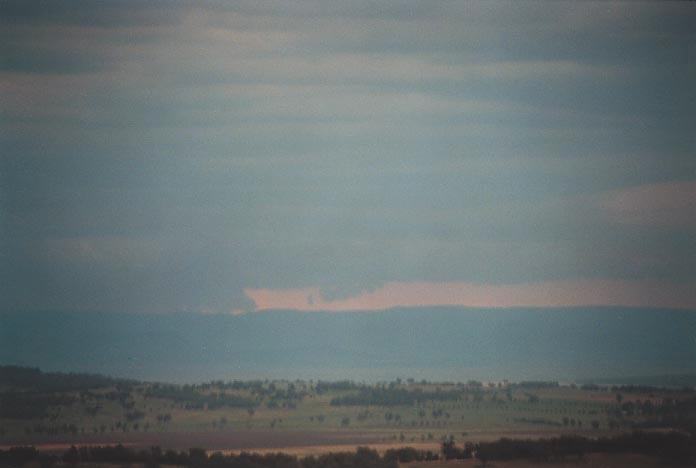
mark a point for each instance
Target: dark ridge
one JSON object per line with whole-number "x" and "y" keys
{"x": 440, "y": 343}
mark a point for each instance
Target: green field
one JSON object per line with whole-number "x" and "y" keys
{"x": 90, "y": 410}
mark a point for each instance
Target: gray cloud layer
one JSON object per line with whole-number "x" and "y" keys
{"x": 166, "y": 156}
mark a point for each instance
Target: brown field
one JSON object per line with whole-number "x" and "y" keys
{"x": 230, "y": 440}
{"x": 295, "y": 442}
{"x": 308, "y": 450}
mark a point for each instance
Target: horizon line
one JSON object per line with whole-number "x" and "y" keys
{"x": 396, "y": 308}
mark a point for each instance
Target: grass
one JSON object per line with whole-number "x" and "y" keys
{"x": 482, "y": 414}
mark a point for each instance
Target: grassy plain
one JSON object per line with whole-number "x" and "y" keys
{"x": 306, "y": 417}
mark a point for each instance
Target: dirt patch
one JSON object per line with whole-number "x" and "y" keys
{"x": 231, "y": 440}
{"x": 264, "y": 440}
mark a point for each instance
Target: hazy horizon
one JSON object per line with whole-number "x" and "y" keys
{"x": 228, "y": 157}
{"x": 443, "y": 343}
{"x": 168, "y": 170}
{"x": 255, "y": 196}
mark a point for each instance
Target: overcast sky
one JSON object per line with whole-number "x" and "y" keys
{"x": 220, "y": 157}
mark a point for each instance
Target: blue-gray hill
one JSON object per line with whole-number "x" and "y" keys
{"x": 444, "y": 343}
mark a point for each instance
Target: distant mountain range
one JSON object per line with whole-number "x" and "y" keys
{"x": 605, "y": 345}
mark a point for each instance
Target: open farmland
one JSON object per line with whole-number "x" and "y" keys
{"x": 58, "y": 409}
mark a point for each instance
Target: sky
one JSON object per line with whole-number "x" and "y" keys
{"x": 227, "y": 157}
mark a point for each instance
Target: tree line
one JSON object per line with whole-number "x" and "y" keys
{"x": 670, "y": 447}
{"x": 376, "y": 396}
{"x": 198, "y": 458}
{"x": 190, "y": 398}
{"x": 29, "y": 378}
